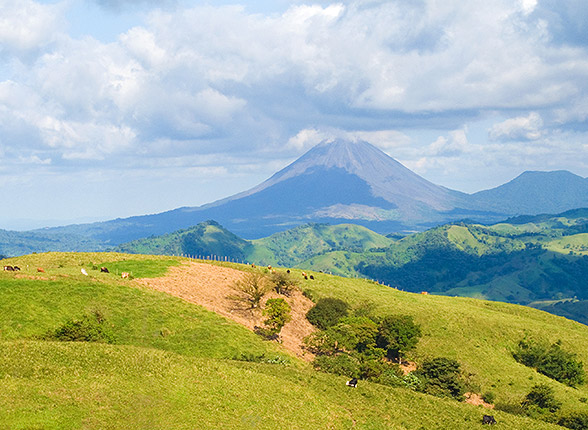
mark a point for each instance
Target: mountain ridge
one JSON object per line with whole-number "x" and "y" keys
{"x": 340, "y": 182}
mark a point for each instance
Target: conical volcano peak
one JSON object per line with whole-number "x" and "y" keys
{"x": 356, "y": 157}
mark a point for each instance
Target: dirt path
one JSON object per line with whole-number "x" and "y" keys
{"x": 210, "y": 286}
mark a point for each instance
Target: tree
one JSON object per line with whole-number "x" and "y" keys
{"x": 398, "y": 334}
{"x": 442, "y": 377}
{"x": 327, "y": 312}
{"x": 254, "y": 286}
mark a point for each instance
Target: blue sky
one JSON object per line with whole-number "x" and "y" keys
{"x": 113, "y": 108}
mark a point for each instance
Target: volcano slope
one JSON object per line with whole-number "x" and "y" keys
{"x": 174, "y": 364}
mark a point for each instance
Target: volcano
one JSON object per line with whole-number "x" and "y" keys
{"x": 335, "y": 182}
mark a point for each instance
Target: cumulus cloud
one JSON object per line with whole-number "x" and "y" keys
{"x": 519, "y": 128}
{"x": 26, "y": 25}
{"x": 191, "y": 81}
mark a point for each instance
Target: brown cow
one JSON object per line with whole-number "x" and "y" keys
{"x": 40, "y": 270}
{"x": 124, "y": 275}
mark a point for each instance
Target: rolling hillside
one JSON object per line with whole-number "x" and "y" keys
{"x": 174, "y": 364}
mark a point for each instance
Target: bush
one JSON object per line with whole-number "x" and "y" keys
{"x": 254, "y": 286}
{"x": 278, "y": 313}
{"x": 442, "y": 377}
{"x": 398, "y": 334}
{"x": 489, "y": 397}
{"x": 90, "y": 327}
{"x": 340, "y": 364}
{"x": 327, "y": 312}
{"x": 552, "y": 361}
{"x": 542, "y": 397}
{"x": 575, "y": 421}
{"x": 283, "y": 283}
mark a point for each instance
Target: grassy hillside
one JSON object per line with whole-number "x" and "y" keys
{"x": 206, "y": 239}
{"x": 172, "y": 364}
{"x": 291, "y": 247}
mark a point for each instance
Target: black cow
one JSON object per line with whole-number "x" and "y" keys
{"x": 488, "y": 419}
{"x": 16, "y": 268}
{"x": 352, "y": 383}
{"x": 312, "y": 277}
{"x": 104, "y": 270}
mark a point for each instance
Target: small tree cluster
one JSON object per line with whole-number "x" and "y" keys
{"x": 357, "y": 346}
{"x": 551, "y": 360}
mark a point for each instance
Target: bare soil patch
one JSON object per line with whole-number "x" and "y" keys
{"x": 476, "y": 399}
{"x": 210, "y": 286}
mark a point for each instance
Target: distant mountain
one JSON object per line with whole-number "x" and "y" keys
{"x": 349, "y": 182}
{"x": 534, "y": 193}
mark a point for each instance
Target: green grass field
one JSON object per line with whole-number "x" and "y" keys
{"x": 173, "y": 363}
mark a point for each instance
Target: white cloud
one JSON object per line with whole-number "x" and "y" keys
{"x": 27, "y": 25}
{"x": 519, "y": 128}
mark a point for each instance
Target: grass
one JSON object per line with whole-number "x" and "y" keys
{"x": 92, "y": 386}
{"x": 172, "y": 367}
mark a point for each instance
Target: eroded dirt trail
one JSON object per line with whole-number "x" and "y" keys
{"x": 210, "y": 286}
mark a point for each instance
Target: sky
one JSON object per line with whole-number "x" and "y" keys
{"x": 115, "y": 108}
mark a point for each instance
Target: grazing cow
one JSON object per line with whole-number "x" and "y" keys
{"x": 9, "y": 268}
{"x": 104, "y": 270}
{"x": 488, "y": 419}
{"x": 352, "y": 383}
{"x": 40, "y": 270}
{"x": 312, "y": 277}
{"x": 16, "y": 269}
{"x": 84, "y": 272}
{"x": 124, "y": 275}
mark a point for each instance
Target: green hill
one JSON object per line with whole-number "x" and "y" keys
{"x": 175, "y": 365}
{"x": 207, "y": 239}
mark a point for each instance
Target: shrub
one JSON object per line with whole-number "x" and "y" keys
{"x": 283, "y": 283}
{"x": 327, "y": 312}
{"x": 91, "y": 327}
{"x": 442, "y": 377}
{"x": 254, "y": 286}
{"x": 552, "y": 361}
{"x": 340, "y": 364}
{"x": 541, "y": 396}
{"x": 398, "y": 334}
{"x": 489, "y": 397}
{"x": 278, "y": 313}
{"x": 575, "y": 421}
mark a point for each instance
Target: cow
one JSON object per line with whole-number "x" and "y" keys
{"x": 104, "y": 270}
{"x": 84, "y": 272}
{"x": 124, "y": 275}
{"x": 488, "y": 419}
{"x": 352, "y": 383}
{"x": 425, "y": 293}
{"x": 312, "y": 277}
{"x": 288, "y": 271}
{"x": 16, "y": 269}
{"x": 40, "y": 270}
{"x": 9, "y": 268}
